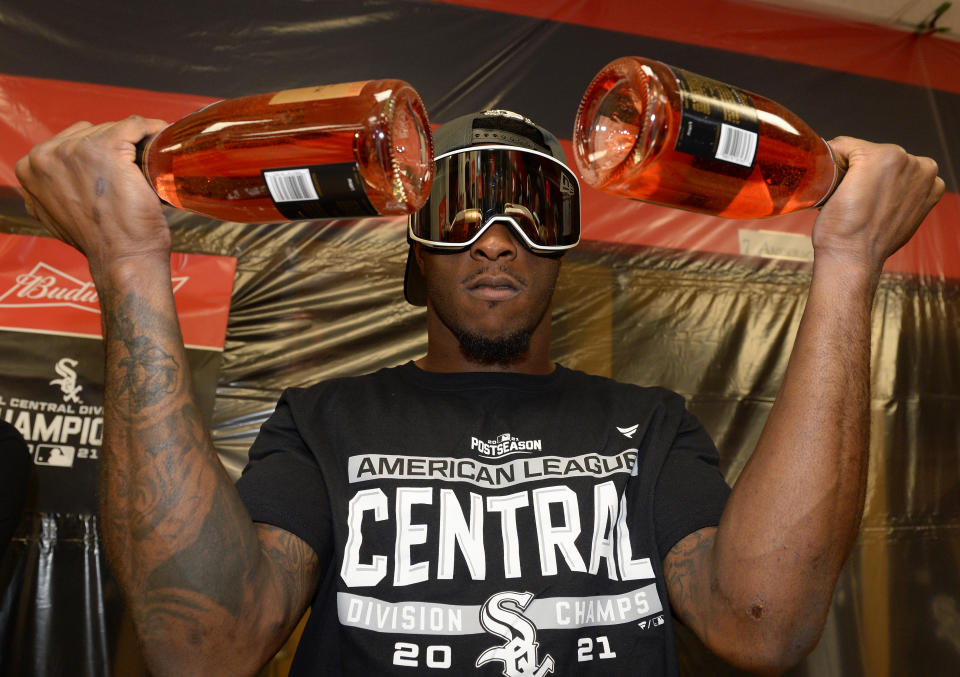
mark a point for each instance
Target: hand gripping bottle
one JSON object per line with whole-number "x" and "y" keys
{"x": 652, "y": 132}
{"x": 334, "y": 151}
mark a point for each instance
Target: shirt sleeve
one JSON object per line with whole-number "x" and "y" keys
{"x": 282, "y": 485}
{"x": 691, "y": 492}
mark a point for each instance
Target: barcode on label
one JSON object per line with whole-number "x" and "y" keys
{"x": 290, "y": 185}
{"x": 736, "y": 145}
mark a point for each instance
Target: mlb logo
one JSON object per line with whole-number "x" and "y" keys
{"x": 57, "y": 455}
{"x": 505, "y": 437}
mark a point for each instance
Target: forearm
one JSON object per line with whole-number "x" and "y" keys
{"x": 795, "y": 510}
{"x": 210, "y": 593}
{"x": 177, "y": 536}
{"x": 804, "y": 484}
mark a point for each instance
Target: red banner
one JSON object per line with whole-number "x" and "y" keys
{"x": 45, "y": 287}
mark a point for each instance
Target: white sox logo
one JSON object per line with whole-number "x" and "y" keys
{"x": 68, "y": 379}
{"x": 519, "y": 652}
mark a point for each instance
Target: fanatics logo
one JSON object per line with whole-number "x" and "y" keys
{"x": 652, "y": 623}
{"x": 45, "y": 286}
{"x": 629, "y": 431}
{"x": 504, "y": 444}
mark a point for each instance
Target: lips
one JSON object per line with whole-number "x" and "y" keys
{"x": 490, "y": 287}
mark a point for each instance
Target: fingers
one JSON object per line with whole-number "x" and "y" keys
{"x": 850, "y": 152}
{"x": 83, "y": 185}
{"x": 884, "y": 167}
{"x": 67, "y": 147}
{"x": 881, "y": 201}
{"x": 844, "y": 145}
{"x": 127, "y": 131}
{"x": 938, "y": 189}
{"x": 28, "y": 203}
{"x": 135, "y": 128}
{"x": 128, "y": 128}
{"x": 75, "y": 128}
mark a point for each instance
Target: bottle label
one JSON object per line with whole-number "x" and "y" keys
{"x": 717, "y": 121}
{"x": 319, "y": 192}
{"x": 337, "y": 91}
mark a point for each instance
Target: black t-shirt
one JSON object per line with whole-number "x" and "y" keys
{"x": 485, "y": 523}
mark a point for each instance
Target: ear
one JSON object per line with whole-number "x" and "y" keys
{"x": 418, "y": 255}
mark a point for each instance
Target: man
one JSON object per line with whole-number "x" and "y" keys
{"x": 483, "y": 509}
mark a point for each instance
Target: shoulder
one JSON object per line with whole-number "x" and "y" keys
{"x": 346, "y": 387}
{"x": 650, "y": 395}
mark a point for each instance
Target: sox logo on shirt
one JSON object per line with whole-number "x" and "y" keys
{"x": 519, "y": 652}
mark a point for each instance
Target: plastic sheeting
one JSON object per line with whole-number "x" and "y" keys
{"x": 61, "y": 609}
{"x": 653, "y": 297}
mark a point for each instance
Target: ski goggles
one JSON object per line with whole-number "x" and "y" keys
{"x": 475, "y": 187}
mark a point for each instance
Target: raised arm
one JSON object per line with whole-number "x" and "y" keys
{"x": 210, "y": 592}
{"x": 757, "y": 588}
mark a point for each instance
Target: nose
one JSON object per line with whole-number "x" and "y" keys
{"x": 497, "y": 243}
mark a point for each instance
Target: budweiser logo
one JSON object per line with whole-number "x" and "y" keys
{"x": 45, "y": 286}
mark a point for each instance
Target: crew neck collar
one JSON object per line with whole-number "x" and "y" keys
{"x": 481, "y": 379}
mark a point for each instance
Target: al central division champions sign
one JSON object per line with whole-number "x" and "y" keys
{"x": 51, "y": 356}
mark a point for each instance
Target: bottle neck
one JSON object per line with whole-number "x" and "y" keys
{"x": 839, "y": 171}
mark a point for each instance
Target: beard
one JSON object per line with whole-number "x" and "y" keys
{"x": 503, "y": 341}
{"x": 496, "y": 350}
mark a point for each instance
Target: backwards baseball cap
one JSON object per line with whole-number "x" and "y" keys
{"x": 494, "y": 166}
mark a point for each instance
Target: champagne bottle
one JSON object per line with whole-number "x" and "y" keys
{"x": 341, "y": 150}
{"x": 648, "y": 131}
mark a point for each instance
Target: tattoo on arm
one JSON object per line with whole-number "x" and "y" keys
{"x": 687, "y": 576}
{"x": 148, "y": 374}
{"x": 192, "y": 560}
{"x": 203, "y": 566}
{"x": 295, "y": 564}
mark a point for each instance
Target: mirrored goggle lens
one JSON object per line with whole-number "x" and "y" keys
{"x": 472, "y": 189}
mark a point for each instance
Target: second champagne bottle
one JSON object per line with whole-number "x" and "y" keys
{"x": 334, "y": 151}
{"x": 653, "y": 132}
